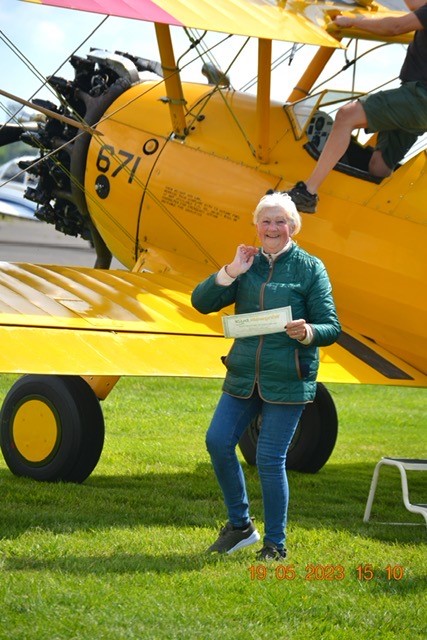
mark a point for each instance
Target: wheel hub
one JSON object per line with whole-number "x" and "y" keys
{"x": 35, "y": 430}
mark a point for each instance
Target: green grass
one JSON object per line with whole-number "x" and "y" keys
{"x": 121, "y": 556}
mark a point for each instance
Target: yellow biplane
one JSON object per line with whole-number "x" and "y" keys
{"x": 163, "y": 175}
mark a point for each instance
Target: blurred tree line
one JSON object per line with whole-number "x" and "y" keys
{"x": 14, "y": 150}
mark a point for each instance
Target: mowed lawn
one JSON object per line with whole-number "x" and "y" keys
{"x": 122, "y": 556}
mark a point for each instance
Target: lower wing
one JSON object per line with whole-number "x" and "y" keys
{"x": 83, "y": 321}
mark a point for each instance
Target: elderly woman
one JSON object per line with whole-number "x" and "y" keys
{"x": 273, "y": 375}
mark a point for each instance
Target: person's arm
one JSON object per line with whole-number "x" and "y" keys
{"x": 219, "y": 290}
{"x": 414, "y": 4}
{"x": 388, "y": 26}
{"x": 321, "y": 312}
{"x": 209, "y": 295}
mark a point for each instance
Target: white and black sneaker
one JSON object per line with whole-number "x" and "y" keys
{"x": 231, "y": 539}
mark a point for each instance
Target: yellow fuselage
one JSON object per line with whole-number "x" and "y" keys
{"x": 184, "y": 204}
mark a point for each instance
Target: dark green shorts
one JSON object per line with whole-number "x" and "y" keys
{"x": 400, "y": 116}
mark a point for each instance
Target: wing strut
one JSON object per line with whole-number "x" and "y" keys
{"x": 175, "y": 95}
{"x": 263, "y": 100}
{"x": 313, "y": 71}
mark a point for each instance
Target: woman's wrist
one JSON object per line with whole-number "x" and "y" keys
{"x": 230, "y": 275}
{"x": 308, "y": 335}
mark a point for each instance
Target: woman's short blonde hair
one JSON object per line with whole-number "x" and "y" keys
{"x": 284, "y": 202}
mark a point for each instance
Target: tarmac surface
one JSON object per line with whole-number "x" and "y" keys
{"x": 40, "y": 243}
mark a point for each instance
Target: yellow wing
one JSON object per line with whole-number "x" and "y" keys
{"x": 287, "y": 20}
{"x": 83, "y": 321}
{"x": 302, "y": 22}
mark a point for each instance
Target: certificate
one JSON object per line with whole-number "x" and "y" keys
{"x": 256, "y": 324}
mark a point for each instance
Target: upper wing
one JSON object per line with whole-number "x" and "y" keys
{"x": 77, "y": 320}
{"x": 287, "y": 20}
{"x": 292, "y": 21}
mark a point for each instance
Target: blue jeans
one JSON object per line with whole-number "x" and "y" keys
{"x": 279, "y": 421}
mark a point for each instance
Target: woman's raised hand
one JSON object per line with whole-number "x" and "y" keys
{"x": 242, "y": 260}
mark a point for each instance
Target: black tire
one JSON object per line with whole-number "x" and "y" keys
{"x": 92, "y": 431}
{"x": 51, "y": 428}
{"x": 249, "y": 439}
{"x": 314, "y": 438}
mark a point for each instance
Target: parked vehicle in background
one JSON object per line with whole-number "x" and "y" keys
{"x": 13, "y": 184}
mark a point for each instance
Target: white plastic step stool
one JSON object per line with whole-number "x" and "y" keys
{"x": 404, "y": 465}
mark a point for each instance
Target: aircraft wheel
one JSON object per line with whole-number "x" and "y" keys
{"x": 314, "y": 438}
{"x": 52, "y": 428}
